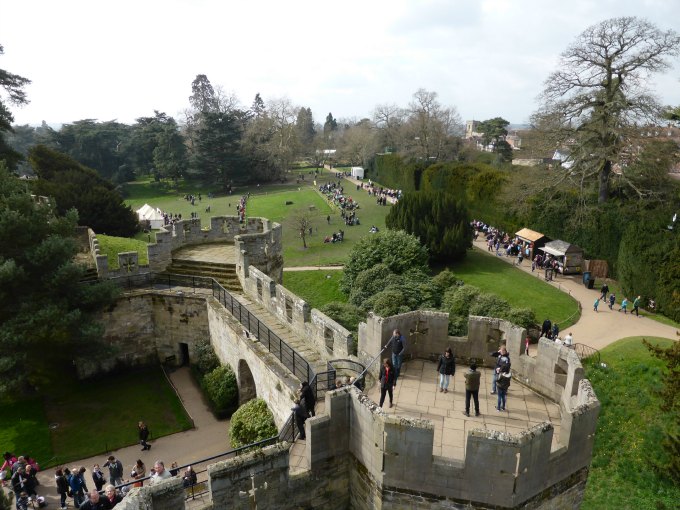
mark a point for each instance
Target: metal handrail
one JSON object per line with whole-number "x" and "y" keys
{"x": 586, "y": 352}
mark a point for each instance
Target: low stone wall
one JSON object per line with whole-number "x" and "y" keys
{"x": 165, "y": 495}
{"x": 262, "y": 250}
{"x": 321, "y": 332}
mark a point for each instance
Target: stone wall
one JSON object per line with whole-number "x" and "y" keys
{"x": 165, "y": 495}
{"x": 258, "y": 243}
{"x": 326, "y": 336}
{"x": 262, "y": 480}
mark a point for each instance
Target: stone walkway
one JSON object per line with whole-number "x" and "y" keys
{"x": 596, "y": 329}
{"x": 221, "y": 253}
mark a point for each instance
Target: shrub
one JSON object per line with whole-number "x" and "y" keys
{"x": 668, "y": 287}
{"x": 206, "y": 359}
{"x": 489, "y": 305}
{"x": 252, "y": 422}
{"x": 345, "y": 314}
{"x": 439, "y": 220}
{"x": 389, "y": 302}
{"x": 398, "y": 250}
{"x": 457, "y": 300}
{"x": 369, "y": 282}
{"x": 523, "y": 317}
{"x": 222, "y": 390}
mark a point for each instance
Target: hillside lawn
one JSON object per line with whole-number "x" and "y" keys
{"x": 316, "y": 287}
{"x": 76, "y": 420}
{"x": 628, "y": 430}
{"x": 268, "y": 201}
{"x": 518, "y": 288}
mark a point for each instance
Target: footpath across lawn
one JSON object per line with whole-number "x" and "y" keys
{"x": 75, "y": 420}
{"x": 517, "y": 287}
{"x": 629, "y": 431}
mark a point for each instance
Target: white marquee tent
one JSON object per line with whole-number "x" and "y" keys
{"x": 153, "y": 216}
{"x": 357, "y": 172}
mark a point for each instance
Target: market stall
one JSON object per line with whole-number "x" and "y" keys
{"x": 531, "y": 239}
{"x": 569, "y": 256}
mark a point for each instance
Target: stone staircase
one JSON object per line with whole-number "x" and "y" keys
{"x": 311, "y": 355}
{"x": 225, "y": 274}
{"x": 90, "y": 275}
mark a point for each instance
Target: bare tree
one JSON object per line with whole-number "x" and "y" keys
{"x": 599, "y": 94}
{"x": 303, "y": 223}
{"x": 389, "y": 118}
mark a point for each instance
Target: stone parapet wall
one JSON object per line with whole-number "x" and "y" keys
{"x": 262, "y": 250}
{"x": 327, "y": 337}
{"x": 165, "y": 495}
{"x": 499, "y": 470}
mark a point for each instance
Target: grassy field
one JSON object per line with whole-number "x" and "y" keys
{"x": 269, "y": 202}
{"x": 317, "y": 287}
{"x": 517, "y": 287}
{"x": 92, "y": 418}
{"x": 628, "y": 431}
{"x": 111, "y": 246}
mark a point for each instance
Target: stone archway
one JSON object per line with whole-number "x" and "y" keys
{"x": 246, "y": 384}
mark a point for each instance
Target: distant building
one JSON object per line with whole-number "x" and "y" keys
{"x": 471, "y": 130}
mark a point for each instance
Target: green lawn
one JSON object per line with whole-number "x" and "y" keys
{"x": 91, "y": 418}
{"x": 111, "y": 246}
{"x": 628, "y": 431}
{"x": 317, "y": 287}
{"x": 517, "y": 287}
{"x": 24, "y": 430}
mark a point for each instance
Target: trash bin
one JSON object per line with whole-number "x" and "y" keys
{"x": 591, "y": 283}
{"x": 586, "y": 278}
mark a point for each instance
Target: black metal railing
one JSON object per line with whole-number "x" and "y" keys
{"x": 288, "y": 356}
{"x": 289, "y": 431}
{"x": 587, "y": 353}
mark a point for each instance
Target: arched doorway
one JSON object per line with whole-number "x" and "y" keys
{"x": 246, "y": 384}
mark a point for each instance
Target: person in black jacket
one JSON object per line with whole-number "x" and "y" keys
{"x": 301, "y": 416}
{"x": 307, "y": 397}
{"x": 143, "y": 435}
{"x": 62, "y": 486}
{"x": 387, "y": 376}
{"x": 446, "y": 368}
{"x": 502, "y": 358}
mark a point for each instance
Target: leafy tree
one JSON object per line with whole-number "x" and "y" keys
{"x": 258, "y": 109}
{"x": 598, "y": 95}
{"x": 47, "y": 318}
{"x": 369, "y": 282}
{"x": 13, "y": 86}
{"x": 439, "y": 220}
{"x": 493, "y": 130}
{"x": 305, "y": 128}
{"x": 669, "y": 465}
{"x": 73, "y": 186}
{"x": 217, "y": 156}
{"x": 399, "y": 251}
{"x": 101, "y": 146}
{"x": 346, "y": 314}
{"x": 203, "y": 97}
{"x": 252, "y": 422}
{"x": 222, "y": 390}
{"x": 330, "y": 125}
{"x": 156, "y": 144}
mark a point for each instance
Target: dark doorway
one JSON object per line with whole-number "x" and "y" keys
{"x": 183, "y": 354}
{"x": 246, "y": 383}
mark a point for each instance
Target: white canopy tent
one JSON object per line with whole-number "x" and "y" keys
{"x": 357, "y": 172}
{"x": 153, "y": 216}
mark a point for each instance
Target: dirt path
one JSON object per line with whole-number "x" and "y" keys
{"x": 596, "y": 329}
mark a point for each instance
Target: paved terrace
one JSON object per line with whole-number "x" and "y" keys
{"x": 222, "y": 253}
{"x": 417, "y": 395}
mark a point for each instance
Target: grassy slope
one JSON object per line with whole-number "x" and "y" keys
{"x": 628, "y": 431}
{"x": 111, "y": 246}
{"x": 93, "y": 417}
{"x": 518, "y": 288}
{"x": 316, "y": 287}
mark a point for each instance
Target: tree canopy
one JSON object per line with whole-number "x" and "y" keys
{"x": 13, "y": 87}
{"x": 599, "y": 94}
{"x": 47, "y": 318}
{"x": 71, "y": 185}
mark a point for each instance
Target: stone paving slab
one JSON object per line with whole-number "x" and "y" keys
{"x": 221, "y": 253}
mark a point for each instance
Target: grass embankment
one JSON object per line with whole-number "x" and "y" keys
{"x": 629, "y": 431}
{"x": 317, "y": 287}
{"x": 91, "y": 418}
{"x": 111, "y": 246}
{"x": 517, "y": 287}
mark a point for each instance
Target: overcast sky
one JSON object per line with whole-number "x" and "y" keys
{"x": 121, "y": 60}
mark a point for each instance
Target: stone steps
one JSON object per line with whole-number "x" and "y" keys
{"x": 311, "y": 355}
{"x": 225, "y": 274}
{"x": 90, "y": 275}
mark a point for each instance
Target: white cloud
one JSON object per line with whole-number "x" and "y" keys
{"x": 124, "y": 59}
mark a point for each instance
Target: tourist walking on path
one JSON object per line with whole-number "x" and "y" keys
{"x": 472, "y": 379}
{"x": 143, "y": 435}
{"x": 605, "y": 290}
{"x": 612, "y": 300}
{"x": 636, "y": 307}
{"x": 596, "y": 303}
{"x": 387, "y": 374}
{"x": 446, "y": 368}
{"x": 624, "y": 306}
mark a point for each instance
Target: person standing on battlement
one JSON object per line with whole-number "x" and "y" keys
{"x": 502, "y": 357}
{"x": 398, "y": 343}
{"x": 472, "y": 379}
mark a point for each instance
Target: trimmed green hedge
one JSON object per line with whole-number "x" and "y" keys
{"x": 252, "y": 422}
